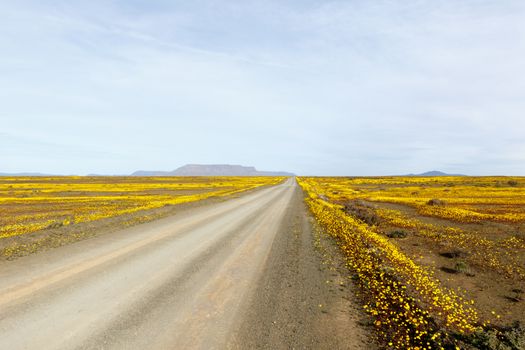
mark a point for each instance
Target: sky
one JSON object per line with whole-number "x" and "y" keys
{"x": 352, "y": 87}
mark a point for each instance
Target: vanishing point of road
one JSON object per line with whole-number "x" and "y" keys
{"x": 242, "y": 273}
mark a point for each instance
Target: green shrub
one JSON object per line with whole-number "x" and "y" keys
{"x": 461, "y": 266}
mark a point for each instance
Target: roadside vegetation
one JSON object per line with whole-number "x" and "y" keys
{"x": 440, "y": 260}
{"x": 29, "y": 205}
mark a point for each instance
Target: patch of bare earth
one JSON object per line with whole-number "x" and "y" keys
{"x": 498, "y": 297}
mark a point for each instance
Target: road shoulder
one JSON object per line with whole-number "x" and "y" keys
{"x": 304, "y": 298}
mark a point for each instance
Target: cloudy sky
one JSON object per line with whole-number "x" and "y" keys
{"x": 353, "y": 87}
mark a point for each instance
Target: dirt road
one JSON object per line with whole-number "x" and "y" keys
{"x": 200, "y": 279}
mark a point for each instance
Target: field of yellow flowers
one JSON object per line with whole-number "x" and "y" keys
{"x": 440, "y": 260}
{"x": 32, "y": 204}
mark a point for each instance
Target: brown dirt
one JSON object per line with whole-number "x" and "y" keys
{"x": 492, "y": 291}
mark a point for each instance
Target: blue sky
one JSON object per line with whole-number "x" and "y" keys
{"x": 313, "y": 87}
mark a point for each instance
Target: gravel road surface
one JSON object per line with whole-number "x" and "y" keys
{"x": 238, "y": 274}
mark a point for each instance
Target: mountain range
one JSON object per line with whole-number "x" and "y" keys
{"x": 212, "y": 170}
{"x": 216, "y": 170}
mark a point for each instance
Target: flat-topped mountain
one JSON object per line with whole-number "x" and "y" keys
{"x": 212, "y": 170}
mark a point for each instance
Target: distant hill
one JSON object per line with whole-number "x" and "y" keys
{"x": 212, "y": 170}
{"x": 435, "y": 173}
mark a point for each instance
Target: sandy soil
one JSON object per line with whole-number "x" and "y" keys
{"x": 494, "y": 293}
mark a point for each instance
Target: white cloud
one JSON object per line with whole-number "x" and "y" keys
{"x": 316, "y": 87}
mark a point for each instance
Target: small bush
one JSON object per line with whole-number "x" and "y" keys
{"x": 461, "y": 266}
{"x": 456, "y": 253}
{"x": 494, "y": 338}
{"x": 397, "y": 234}
{"x": 55, "y": 224}
{"x": 436, "y": 202}
{"x": 363, "y": 212}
